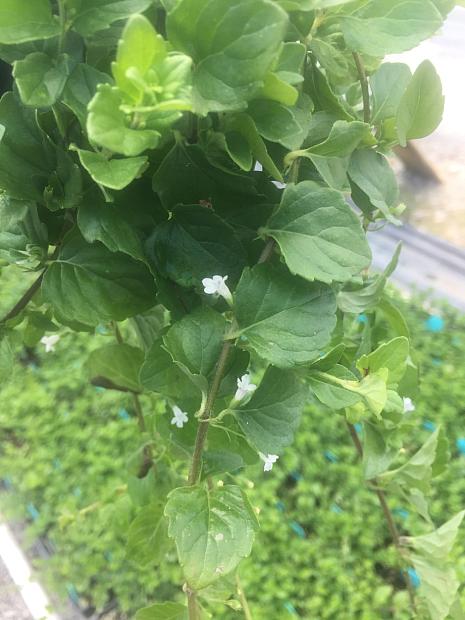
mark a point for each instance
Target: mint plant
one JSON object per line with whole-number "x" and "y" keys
{"x": 179, "y": 171}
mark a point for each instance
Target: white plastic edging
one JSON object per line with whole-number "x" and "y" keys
{"x": 17, "y": 565}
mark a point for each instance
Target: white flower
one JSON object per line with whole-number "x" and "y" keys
{"x": 179, "y": 417}
{"x": 49, "y": 342}
{"x": 217, "y": 286}
{"x": 408, "y": 405}
{"x": 244, "y": 387}
{"x": 268, "y": 460}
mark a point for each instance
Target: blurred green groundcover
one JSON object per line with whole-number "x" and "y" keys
{"x": 323, "y": 550}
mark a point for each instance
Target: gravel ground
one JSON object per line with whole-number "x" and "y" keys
{"x": 12, "y": 606}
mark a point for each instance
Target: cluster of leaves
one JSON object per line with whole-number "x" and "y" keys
{"x": 128, "y": 171}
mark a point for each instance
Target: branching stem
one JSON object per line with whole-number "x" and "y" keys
{"x": 364, "y": 84}
{"x": 386, "y": 512}
{"x": 25, "y": 299}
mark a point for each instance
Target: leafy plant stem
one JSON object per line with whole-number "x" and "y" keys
{"x": 387, "y": 514}
{"x": 62, "y": 18}
{"x": 267, "y": 251}
{"x": 364, "y": 84}
{"x": 25, "y": 299}
{"x": 243, "y": 599}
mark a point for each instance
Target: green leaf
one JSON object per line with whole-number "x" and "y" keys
{"x": 438, "y": 586}
{"x": 138, "y": 48}
{"x": 88, "y": 283}
{"x": 417, "y": 472}
{"x": 118, "y": 364}
{"x": 112, "y": 173}
{"x": 381, "y": 27}
{"x": 278, "y": 123}
{"x": 90, "y": 16}
{"x": 160, "y": 374}
{"x": 339, "y": 388}
{"x": 26, "y": 21}
{"x": 196, "y": 340}
{"x": 162, "y": 611}
{"x": 147, "y": 539}
{"x": 26, "y": 157}
{"x": 81, "y": 87}
{"x": 343, "y": 139}
{"x": 377, "y": 455}
{"x": 213, "y": 531}
{"x": 392, "y": 355}
{"x": 271, "y": 417}
{"x": 387, "y": 85}
{"x": 40, "y": 79}
{"x": 110, "y": 224}
{"x": 291, "y": 62}
{"x": 23, "y": 237}
{"x": 372, "y": 174}
{"x": 284, "y": 319}
{"x": 367, "y": 297}
{"x": 438, "y": 544}
{"x": 195, "y": 244}
{"x": 422, "y": 105}
{"x": 216, "y": 34}
{"x": 318, "y": 233}
{"x": 109, "y": 126}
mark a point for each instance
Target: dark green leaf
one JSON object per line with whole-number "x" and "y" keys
{"x": 80, "y": 89}
{"x": 90, "y": 16}
{"x": 40, "y": 79}
{"x": 118, "y": 363}
{"x": 147, "y": 536}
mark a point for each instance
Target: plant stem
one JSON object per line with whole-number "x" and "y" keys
{"x": 62, "y": 18}
{"x": 386, "y": 512}
{"x": 203, "y": 422}
{"x": 243, "y": 600}
{"x": 192, "y": 605}
{"x": 25, "y": 299}
{"x": 364, "y": 84}
{"x": 267, "y": 251}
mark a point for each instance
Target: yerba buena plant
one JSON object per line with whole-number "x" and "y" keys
{"x": 200, "y": 175}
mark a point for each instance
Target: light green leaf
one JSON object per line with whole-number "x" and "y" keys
{"x": 196, "y": 340}
{"x": 387, "y": 85}
{"x": 40, "y": 79}
{"x": 271, "y": 417}
{"x": 318, "y": 233}
{"x": 422, "y": 105}
{"x": 343, "y": 139}
{"x": 392, "y": 355}
{"x": 162, "y": 611}
{"x": 417, "y": 472}
{"x": 23, "y": 237}
{"x": 90, "y": 16}
{"x": 147, "y": 539}
{"x": 26, "y": 157}
{"x": 438, "y": 586}
{"x": 290, "y": 62}
{"x": 26, "y": 21}
{"x": 81, "y": 87}
{"x": 380, "y": 27}
{"x": 377, "y": 455}
{"x": 117, "y": 363}
{"x": 437, "y": 544}
{"x": 195, "y": 244}
{"x": 88, "y": 283}
{"x": 309, "y": 5}
{"x": 138, "y": 49}
{"x": 339, "y": 389}
{"x": 213, "y": 531}
{"x": 284, "y": 319}
{"x": 278, "y": 90}
{"x": 216, "y": 34}
{"x": 108, "y": 125}
{"x": 112, "y": 173}
{"x": 110, "y": 224}
{"x": 239, "y": 150}
{"x": 371, "y": 173}
{"x": 367, "y": 297}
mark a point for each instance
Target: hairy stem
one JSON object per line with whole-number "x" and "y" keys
{"x": 386, "y": 512}
{"x": 364, "y": 84}
{"x": 25, "y": 299}
{"x": 243, "y": 599}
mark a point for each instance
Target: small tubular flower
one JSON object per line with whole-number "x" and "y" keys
{"x": 244, "y": 387}
{"x": 49, "y": 342}
{"x": 179, "y": 417}
{"x": 216, "y": 285}
{"x": 268, "y": 460}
